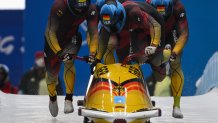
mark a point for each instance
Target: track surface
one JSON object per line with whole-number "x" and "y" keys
{"x": 34, "y": 109}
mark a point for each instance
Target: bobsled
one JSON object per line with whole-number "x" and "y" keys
{"x": 117, "y": 93}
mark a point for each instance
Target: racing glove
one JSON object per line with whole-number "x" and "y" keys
{"x": 173, "y": 57}
{"x": 90, "y": 59}
{"x": 93, "y": 64}
{"x": 149, "y": 50}
{"x": 64, "y": 56}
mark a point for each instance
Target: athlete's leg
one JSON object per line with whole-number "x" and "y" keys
{"x": 151, "y": 82}
{"x": 69, "y": 72}
{"x": 160, "y": 58}
{"x": 158, "y": 64}
{"x": 122, "y": 53}
{"x": 69, "y": 80}
{"x": 177, "y": 79}
{"x": 52, "y": 64}
{"x": 163, "y": 88}
{"x": 177, "y": 82}
{"x": 51, "y": 80}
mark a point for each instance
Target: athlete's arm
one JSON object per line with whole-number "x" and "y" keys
{"x": 52, "y": 26}
{"x": 183, "y": 30}
{"x": 155, "y": 29}
{"x": 104, "y": 36}
{"x": 141, "y": 19}
{"x": 156, "y": 15}
{"x": 92, "y": 23}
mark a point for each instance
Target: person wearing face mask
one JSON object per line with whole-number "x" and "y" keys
{"x": 33, "y": 80}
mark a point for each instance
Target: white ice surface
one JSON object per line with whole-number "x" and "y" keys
{"x": 34, "y": 109}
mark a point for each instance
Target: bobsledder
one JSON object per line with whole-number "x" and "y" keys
{"x": 117, "y": 93}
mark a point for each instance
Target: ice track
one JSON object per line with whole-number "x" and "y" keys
{"x": 34, "y": 109}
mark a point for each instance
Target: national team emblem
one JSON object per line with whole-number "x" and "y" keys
{"x": 119, "y": 99}
{"x": 106, "y": 19}
{"x": 161, "y": 9}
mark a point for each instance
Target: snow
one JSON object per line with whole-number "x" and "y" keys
{"x": 34, "y": 109}
{"x": 209, "y": 78}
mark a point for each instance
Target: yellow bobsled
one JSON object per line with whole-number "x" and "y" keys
{"x": 117, "y": 93}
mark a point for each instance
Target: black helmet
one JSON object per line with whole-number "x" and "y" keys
{"x": 78, "y": 6}
{"x": 164, "y": 7}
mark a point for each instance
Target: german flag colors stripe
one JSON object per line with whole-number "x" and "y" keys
{"x": 161, "y": 8}
{"x": 106, "y": 17}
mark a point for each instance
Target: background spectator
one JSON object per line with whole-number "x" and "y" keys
{"x": 5, "y": 84}
{"x": 33, "y": 81}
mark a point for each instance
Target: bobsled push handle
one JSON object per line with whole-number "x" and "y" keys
{"x": 80, "y": 58}
{"x": 130, "y": 57}
{"x": 75, "y": 57}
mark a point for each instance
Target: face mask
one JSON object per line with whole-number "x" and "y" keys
{"x": 40, "y": 62}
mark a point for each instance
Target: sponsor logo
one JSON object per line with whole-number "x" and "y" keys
{"x": 134, "y": 71}
{"x": 93, "y": 13}
{"x": 82, "y": 3}
{"x": 103, "y": 70}
{"x": 59, "y": 13}
{"x": 182, "y": 15}
{"x": 106, "y": 19}
{"x": 138, "y": 19}
{"x": 74, "y": 40}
